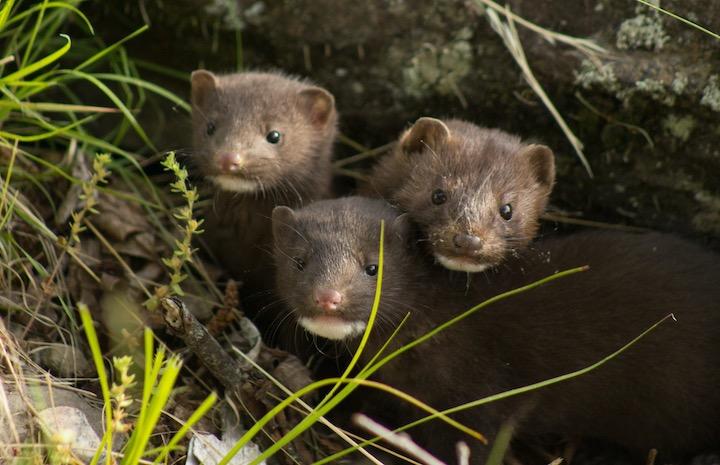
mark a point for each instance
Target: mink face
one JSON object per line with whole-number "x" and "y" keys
{"x": 326, "y": 256}
{"x": 262, "y": 132}
{"x": 475, "y": 193}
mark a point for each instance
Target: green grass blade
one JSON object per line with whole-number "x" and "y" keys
{"x": 180, "y": 435}
{"x": 680, "y": 18}
{"x": 5, "y": 13}
{"x": 506, "y": 394}
{"x": 370, "y": 323}
{"x": 107, "y": 50}
{"x": 33, "y": 35}
{"x": 147, "y": 85}
{"x": 116, "y": 101}
{"x": 46, "y": 135}
{"x": 96, "y": 352}
{"x": 52, "y": 107}
{"x": 46, "y": 61}
{"x": 22, "y": 15}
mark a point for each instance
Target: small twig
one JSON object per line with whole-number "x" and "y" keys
{"x": 352, "y": 174}
{"x": 652, "y": 455}
{"x": 363, "y": 155}
{"x": 179, "y": 319}
{"x": 547, "y": 216}
{"x": 611, "y": 120}
{"x": 7, "y": 59}
{"x": 400, "y": 440}
{"x": 463, "y": 453}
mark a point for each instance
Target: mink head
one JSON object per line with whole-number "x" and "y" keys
{"x": 257, "y": 132}
{"x": 327, "y": 261}
{"x": 476, "y": 194}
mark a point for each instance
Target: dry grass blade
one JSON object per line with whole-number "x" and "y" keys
{"x": 400, "y": 440}
{"x": 509, "y": 35}
{"x": 588, "y": 47}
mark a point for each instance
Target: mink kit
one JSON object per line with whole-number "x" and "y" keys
{"x": 326, "y": 258}
{"x": 261, "y": 140}
{"x": 476, "y": 194}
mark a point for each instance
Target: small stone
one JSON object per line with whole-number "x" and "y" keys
{"x": 65, "y": 361}
{"x": 68, "y": 429}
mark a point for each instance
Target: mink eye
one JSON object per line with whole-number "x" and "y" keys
{"x": 438, "y": 197}
{"x": 299, "y": 263}
{"x": 210, "y": 129}
{"x": 506, "y": 211}
{"x": 273, "y": 137}
{"x": 371, "y": 270}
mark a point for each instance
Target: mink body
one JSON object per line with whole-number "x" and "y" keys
{"x": 661, "y": 393}
{"x": 475, "y": 193}
{"x": 261, "y": 140}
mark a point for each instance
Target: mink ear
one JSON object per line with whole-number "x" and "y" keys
{"x": 318, "y": 104}
{"x": 203, "y": 84}
{"x": 425, "y": 133}
{"x": 542, "y": 164}
{"x": 402, "y": 228}
{"x": 283, "y": 222}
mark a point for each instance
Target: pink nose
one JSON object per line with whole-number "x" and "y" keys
{"x": 229, "y": 162}
{"x": 328, "y": 299}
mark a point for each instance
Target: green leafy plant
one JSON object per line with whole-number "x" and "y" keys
{"x": 183, "y": 250}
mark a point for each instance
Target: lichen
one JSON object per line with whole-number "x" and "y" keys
{"x": 644, "y": 31}
{"x": 233, "y": 18}
{"x": 680, "y": 127}
{"x": 439, "y": 68}
{"x": 654, "y": 89}
{"x": 679, "y": 83}
{"x": 711, "y": 93}
{"x": 591, "y": 76}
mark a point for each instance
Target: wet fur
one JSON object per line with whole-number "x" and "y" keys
{"x": 662, "y": 393}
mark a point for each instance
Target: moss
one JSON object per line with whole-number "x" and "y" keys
{"x": 679, "y": 127}
{"x": 439, "y": 68}
{"x": 644, "y": 31}
{"x": 711, "y": 93}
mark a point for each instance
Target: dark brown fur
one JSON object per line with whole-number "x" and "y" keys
{"x": 661, "y": 393}
{"x": 479, "y": 170}
{"x": 242, "y": 109}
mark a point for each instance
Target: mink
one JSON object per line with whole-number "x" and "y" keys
{"x": 262, "y": 139}
{"x": 475, "y": 193}
{"x": 661, "y": 393}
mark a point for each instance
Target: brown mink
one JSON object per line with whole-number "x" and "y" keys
{"x": 262, "y": 139}
{"x": 661, "y": 393}
{"x": 475, "y": 193}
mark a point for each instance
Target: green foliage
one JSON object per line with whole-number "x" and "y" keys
{"x": 183, "y": 250}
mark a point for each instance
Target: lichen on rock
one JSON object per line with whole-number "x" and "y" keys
{"x": 591, "y": 76}
{"x": 680, "y": 127}
{"x": 440, "y": 68}
{"x": 711, "y": 93}
{"x": 644, "y": 31}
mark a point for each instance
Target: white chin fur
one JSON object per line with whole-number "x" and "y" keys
{"x": 332, "y": 328}
{"x": 231, "y": 183}
{"x": 461, "y": 265}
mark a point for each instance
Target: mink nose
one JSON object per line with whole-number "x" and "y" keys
{"x": 467, "y": 242}
{"x": 229, "y": 162}
{"x": 328, "y": 299}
